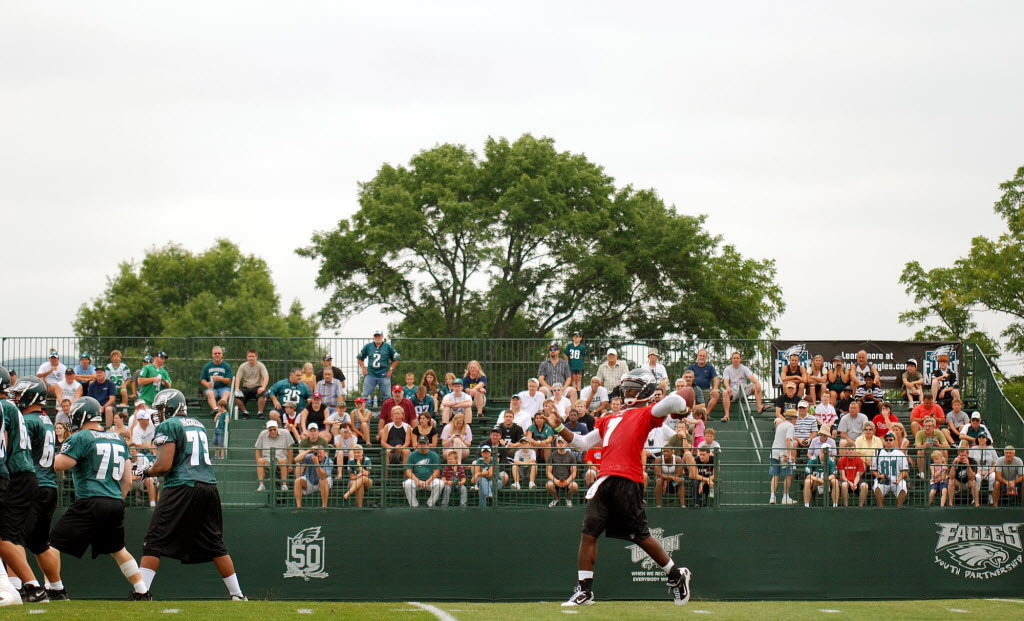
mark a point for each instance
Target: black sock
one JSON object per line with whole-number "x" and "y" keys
{"x": 587, "y": 584}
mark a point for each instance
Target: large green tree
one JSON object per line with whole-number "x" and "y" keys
{"x": 175, "y": 293}
{"x": 527, "y": 240}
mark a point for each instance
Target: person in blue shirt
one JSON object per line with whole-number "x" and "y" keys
{"x": 377, "y": 361}
{"x": 706, "y": 378}
{"x": 85, "y": 370}
{"x": 104, "y": 392}
{"x": 315, "y": 473}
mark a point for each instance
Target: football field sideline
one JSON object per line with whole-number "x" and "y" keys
{"x": 988, "y": 609}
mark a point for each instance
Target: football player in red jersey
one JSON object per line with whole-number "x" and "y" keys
{"x": 615, "y": 504}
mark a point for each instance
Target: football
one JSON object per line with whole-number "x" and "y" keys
{"x": 690, "y": 397}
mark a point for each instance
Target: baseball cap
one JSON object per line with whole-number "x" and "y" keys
{"x": 554, "y": 347}
{"x": 889, "y": 435}
{"x": 317, "y": 395}
{"x": 147, "y": 358}
{"x": 85, "y": 356}
{"x": 143, "y": 415}
{"x": 139, "y": 402}
{"x": 803, "y": 404}
{"x": 160, "y": 354}
{"x": 271, "y": 424}
{"x": 516, "y": 397}
{"x": 837, "y": 357}
{"x": 577, "y": 333}
{"x": 790, "y": 414}
{"x": 486, "y": 447}
{"x": 327, "y": 357}
{"x": 378, "y": 333}
{"x": 976, "y": 415}
{"x": 360, "y": 400}
{"x": 653, "y": 352}
{"x": 423, "y": 439}
{"x": 399, "y": 388}
{"x": 612, "y": 352}
{"x": 912, "y": 361}
{"x": 312, "y": 426}
{"x": 70, "y": 371}
{"x": 456, "y": 381}
{"x": 54, "y": 354}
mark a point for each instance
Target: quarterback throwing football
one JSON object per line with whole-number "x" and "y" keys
{"x": 615, "y": 501}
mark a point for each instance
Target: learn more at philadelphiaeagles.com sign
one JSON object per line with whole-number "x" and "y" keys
{"x": 979, "y": 551}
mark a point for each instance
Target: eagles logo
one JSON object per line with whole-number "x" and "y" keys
{"x": 979, "y": 555}
{"x": 979, "y": 551}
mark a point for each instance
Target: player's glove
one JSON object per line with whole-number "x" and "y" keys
{"x": 142, "y": 470}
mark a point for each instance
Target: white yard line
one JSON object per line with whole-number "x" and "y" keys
{"x": 434, "y": 610}
{"x": 1012, "y": 601}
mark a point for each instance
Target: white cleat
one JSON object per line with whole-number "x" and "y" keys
{"x": 579, "y": 598}
{"x": 680, "y": 589}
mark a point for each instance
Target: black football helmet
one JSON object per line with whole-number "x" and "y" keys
{"x": 27, "y": 391}
{"x": 5, "y": 379}
{"x": 637, "y": 386}
{"x": 84, "y": 410}
{"x": 170, "y": 402}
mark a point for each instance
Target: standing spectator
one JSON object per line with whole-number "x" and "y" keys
{"x": 852, "y": 424}
{"x": 553, "y": 370}
{"x": 315, "y": 472}
{"x": 532, "y": 399}
{"x": 703, "y": 469}
{"x": 838, "y": 378}
{"x": 328, "y": 363}
{"x": 986, "y": 457}
{"x": 69, "y": 387}
{"x": 806, "y": 427}
{"x": 788, "y": 400}
{"x": 453, "y": 478}
{"x": 85, "y": 370}
{"x": 422, "y": 472}
{"x": 119, "y": 373}
{"x": 913, "y": 383}
{"x": 962, "y": 476}
{"x": 105, "y": 393}
{"x": 475, "y": 385}
{"x": 429, "y": 382}
{"x": 396, "y": 438}
{"x": 361, "y": 420}
{"x": 52, "y": 373}
{"x": 409, "y": 389}
{"x": 861, "y": 369}
{"x": 851, "y": 469}
{"x": 706, "y": 378}
{"x": 944, "y": 386}
{"x": 956, "y": 420}
{"x": 654, "y": 365}
{"x": 782, "y": 458}
{"x": 253, "y": 379}
{"x": 610, "y": 371}
{"x": 890, "y": 468}
{"x": 331, "y": 390}
{"x": 975, "y": 428}
{"x": 817, "y": 378}
{"x": 939, "y": 480}
{"x": 927, "y": 440}
{"x": 290, "y": 390}
{"x": 669, "y": 472}
{"x": 359, "y": 481}
{"x": 377, "y": 361}
{"x": 525, "y": 459}
{"x": 422, "y": 402}
{"x": 884, "y": 419}
{"x": 794, "y": 373}
{"x": 455, "y": 402}
{"x": 822, "y": 440}
{"x": 487, "y": 475}
{"x": 1009, "y": 477}
{"x": 457, "y": 437}
{"x": 870, "y": 396}
{"x": 561, "y": 473}
{"x": 825, "y": 412}
{"x": 738, "y": 382}
{"x": 821, "y": 471}
{"x": 596, "y": 397}
{"x": 577, "y": 355}
{"x": 309, "y": 378}
{"x": 153, "y": 378}
{"x": 271, "y": 439}
{"x": 216, "y": 379}
{"x": 927, "y": 408}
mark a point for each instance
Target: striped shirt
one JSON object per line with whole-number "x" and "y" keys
{"x": 330, "y": 392}
{"x": 805, "y": 426}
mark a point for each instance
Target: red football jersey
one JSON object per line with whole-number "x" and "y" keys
{"x": 624, "y": 436}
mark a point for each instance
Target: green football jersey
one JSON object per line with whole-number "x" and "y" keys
{"x": 43, "y": 436}
{"x": 577, "y": 355}
{"x": 19, "y": 446}
{"x": 101, "y": 458}
{"x": 191, "y": 451}
{"x": 4, "y": 473}
{"x": 147, "y": 392}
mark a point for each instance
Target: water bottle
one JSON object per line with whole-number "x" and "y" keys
{"x": 711, "y": 493}
{"x": 374, "y": 400}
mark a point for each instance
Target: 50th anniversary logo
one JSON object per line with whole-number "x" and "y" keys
{"x": 979, "y": 551}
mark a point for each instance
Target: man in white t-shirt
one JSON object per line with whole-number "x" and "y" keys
{"x": 783, "y": 456}
{"x": 531, "y": 400}
{"x": 596, "y": 397}
{"x": 654, "y": 365}
{"x": 889, "y": 468}
{"x": 737, "y": 382}
{"x": 69, "y": 387}
{"x": 143, "y": 434}
{"x": 52, "y": 373}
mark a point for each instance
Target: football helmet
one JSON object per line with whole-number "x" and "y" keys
{"x": 637, "y": 385}
{"x": 5, "y": 379}
{"x": 27, "y": 391}
{"x": 84, "y": 410}
{"x": 170, "y": 402}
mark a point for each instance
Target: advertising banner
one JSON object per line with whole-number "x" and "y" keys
{"x": 888, "y": 357}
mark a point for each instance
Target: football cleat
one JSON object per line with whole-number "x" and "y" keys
{"x": 57, "y": 595}
{"x": 579, "y": 598}
{"x": 680, "y": 589}
{"x": 34, "y": 594}
{"x": 239, "y": 598}
{"x": 140, "y": 597}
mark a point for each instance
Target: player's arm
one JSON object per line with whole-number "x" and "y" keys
{"x": 126, "y": 481}
{"x": 61, "y": 462}
{"x": 669, "y": 405}
{"x": 164, "y": 459}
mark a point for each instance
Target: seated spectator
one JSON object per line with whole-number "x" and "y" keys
{"x": 457, "y": 437}
{"x": 788, "y": 400}
{"x": 596, "y": 397}
{"x": 289, "y": 418}
{"x": 573, "y": 422}
{"x": 119, "y": 373}
{"x": 52, "y": 373}
{"x": 975, "y": 428}
{"x": 794, "y": 373}
{"x": 104, "y": 392}
{"x": 423, "y": 472}
{"x": 838, "y": 379}
{"x": 825, "y": 412}
{"x": 119, "y": 427}
{"x": 60, "y": 431}
{"x": 822, "y": 440}
{"x": 422, "y": 402}
{"x": 309, "y": 440}
{"x": 430, "y": 383}
{"x": 902, "y": 443}
{"x": 669, "y": 472}
{"x": 1009, "y": 478}
{"x": 686, "y": 381}
{"x": 610, "y": 371}
{"x": 336, "y": 373}
{"x": 409, "y": 388}
{"x": 216, "y": 378}
{"x": 511, "y": 436}
{"x": 615, "y": 405}
{"x": 817, "y": 379}
{"x": 361, "y": 419}
{"x": 271, "y": 439}
{"x": 962, "y": 473}
{"x": 140, "y": 407}
{"x": 447, "y": 387}
{"x": 913, "y": 383}
{"x": 852, "y": 424}
{"x": 709, "y": 441}
{"x": 706, "y": 378}
{"x": 315, "y": 472}
{"x": 889, "y": 469}
{"x": 331, "y": 390}
{"x": 861, "y": 369}
{"x": 986, "y": 456}
{"x": 532, "y": 399}
{"x": 64, "y": 413}
{"x": 562, "y": 403}
{"x": 851, "y": 468}
{"x": 868, "y": 444}
{"x": 344, "y": 442}
{"x": 475, "y": 385}
{"x": 487, "y": 475}
{"x": 69, "y": 388}
{"x": 821, "y": 471}
{"x": 455, "y": 402}
{"x": 806, "y": 428}
{"x": 870, "y": 396}
{"x": 956, "y": 419}
{"x": 524, "y": 459}
{"x": 398, "y": 400}
{"x": 783, "y": 457}
{"x": 396, "y": 438}
{"x": 317, "y": 412}
{"x": 654, "y": 365}
{"x": 253, "y": 379}
{"x": 309, "y": 376}
{"x": 944, "y": 386}
{"x": 453, "y": 477}
{"x": 540, "y": 434}
{"x": 554, "y": 370}
{"x": 939, "y": 479}
{"x": 561, "y": 474}
{"x": 738, "y": 382}
{"x": 703, "y": 477}
{"x": 592, "y": 459}
{"x": 85, "y": 370}
{"x": 425, "y": 426}
{"x": 927, "y": 440}
{"x": 884, "y": 419}
{"x": 359, "y": 481}
{"x": 290, "y": 390}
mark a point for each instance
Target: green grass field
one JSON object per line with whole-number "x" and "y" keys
{"x": 446, "y": 611}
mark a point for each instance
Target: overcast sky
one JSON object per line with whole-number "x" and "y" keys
{"x": 842, "y": 140}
